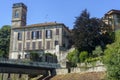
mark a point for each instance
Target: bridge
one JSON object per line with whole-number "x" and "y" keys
{"x": 26, "y": 67}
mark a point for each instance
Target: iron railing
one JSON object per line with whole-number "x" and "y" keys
{"x": 29, "y": 63}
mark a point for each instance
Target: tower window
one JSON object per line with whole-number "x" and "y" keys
{"x": 16, "y": 14}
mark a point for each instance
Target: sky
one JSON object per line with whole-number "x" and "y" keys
{"x": 61, "y": 11}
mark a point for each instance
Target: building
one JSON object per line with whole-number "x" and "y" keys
{"x": 41, "y": 38}
{"x": 112, "y": 18}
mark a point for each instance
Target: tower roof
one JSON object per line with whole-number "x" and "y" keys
{"x": 16, "y": 5}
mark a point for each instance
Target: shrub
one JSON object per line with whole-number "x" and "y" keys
{"x": 34, "y": 56}
{"x": 97, "y": 52}
{"x": 83, "y": 55}
{"x": 73, "y": 57}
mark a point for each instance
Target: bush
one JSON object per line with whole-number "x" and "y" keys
{"x": 34, "y": 56}
{"x": 89, "y": 60}
{"x": 49, "y": 57}
{"x": 97, "y": 52}
{"x": 112, "y": 59}
{"x": 73, "y": 57}
{"x": 83, "y": 56}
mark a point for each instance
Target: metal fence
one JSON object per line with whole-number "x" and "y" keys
{"x": 29, "y": 63}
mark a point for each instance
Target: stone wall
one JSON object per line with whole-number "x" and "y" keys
{"x": 98, "y": 67}
{"x": 80, "y": 70}
{"x": 6, "y": 76}
{"x": 61, "y": 71}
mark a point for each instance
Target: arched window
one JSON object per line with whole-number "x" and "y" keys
{"x": 16, "y": 14}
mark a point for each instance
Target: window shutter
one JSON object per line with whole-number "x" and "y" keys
{"x": 46, "y": 33}
{"x": 27, "y": 45}
{"x": 50, "y": 33}
{"x": 32, "y": 35}
{"x": 33, "y": 45}
{"x": 19, "y": 46}
{"x": 57, "y": 31}
{"x": 18, "y": 35}
{"x": 40, "y": 34}
{"x": 40, "y": 45}
{"x": 48, "y": 44}
{"x": 28, "y": 35}
{"x": 37, "y": 34}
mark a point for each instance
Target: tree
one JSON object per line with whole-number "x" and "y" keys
{"x": 87, "y": 32}
{"x": 4, "y": 40}
{"x": 112, "y": 59}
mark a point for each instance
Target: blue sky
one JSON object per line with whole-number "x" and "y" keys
{"x": 62, "y": 11}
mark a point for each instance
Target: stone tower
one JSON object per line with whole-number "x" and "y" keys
{"x": 19, "y": 15}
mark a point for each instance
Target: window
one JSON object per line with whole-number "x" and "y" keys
{"x": 57, "y": 31}
{"x": 27, "y": 56}
{"x": 39, "y": 34}
{"x": 40, "y": 45}
{"x": 16, "y": 15}
{"x": 19, "y": 46}
{"x": 48, "y": 45}
{"x": 64, "y": 33}
{"x": 19, "y": 56}
{"x": 24, "y": 16}
{"x": 28, "y": 35}
{"x": 34, "y": 35}
{"x": 27, "y": 45}
{"x": 19, "y": 35}
{"x": 33, "y": 45}
{"x": 56, "y": 43}
{"x": 48, "y": 33}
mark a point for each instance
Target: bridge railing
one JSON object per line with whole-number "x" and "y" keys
{"x": 29, "y": 63}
